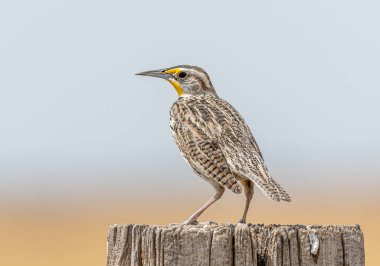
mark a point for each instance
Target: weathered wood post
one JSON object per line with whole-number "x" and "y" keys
{"x": 227, "y": 244}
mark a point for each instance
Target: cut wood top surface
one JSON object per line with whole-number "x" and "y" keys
{"x": 228, "y": 244}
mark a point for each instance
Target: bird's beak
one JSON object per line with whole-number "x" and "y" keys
{"x": 161, "y": 73}
{"x": 167, "y": 74}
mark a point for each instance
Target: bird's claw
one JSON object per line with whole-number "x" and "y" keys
{"x": 190, "y": 222}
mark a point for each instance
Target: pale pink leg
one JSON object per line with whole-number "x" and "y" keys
{"x": 193, "y": 218}
{"x": 248, "y": 191}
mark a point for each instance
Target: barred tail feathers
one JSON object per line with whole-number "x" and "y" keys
{"x": 271, "y": 188}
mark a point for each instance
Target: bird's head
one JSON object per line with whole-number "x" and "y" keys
{"x": 187, "y": 80}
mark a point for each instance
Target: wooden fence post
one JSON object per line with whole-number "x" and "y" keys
{"x": 241, "y": 244}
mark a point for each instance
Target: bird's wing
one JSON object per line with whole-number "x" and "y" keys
{"x": 216, "y": 120}
{"x": 204, "y": 156}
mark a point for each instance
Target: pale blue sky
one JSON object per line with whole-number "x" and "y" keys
{"x": 304, "y": 74}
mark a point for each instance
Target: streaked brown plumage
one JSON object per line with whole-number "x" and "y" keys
{"x": 214, "y": 139}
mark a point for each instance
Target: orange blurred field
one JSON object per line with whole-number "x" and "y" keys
{"x": 72, "y": 234}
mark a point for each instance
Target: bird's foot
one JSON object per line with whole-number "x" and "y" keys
{"x": 211, "y": 223}
{"x": 190, "y": 222}
{"x": 242, "y": 221}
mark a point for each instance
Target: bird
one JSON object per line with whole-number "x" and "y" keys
{"x": 215, "y": 140}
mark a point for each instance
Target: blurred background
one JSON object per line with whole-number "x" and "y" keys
{"x": 85, "y": 144}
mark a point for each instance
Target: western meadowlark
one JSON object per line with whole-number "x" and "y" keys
{"x": 214, "y": 139}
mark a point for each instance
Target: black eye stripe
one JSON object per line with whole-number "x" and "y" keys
{"x": 182, "y": 75}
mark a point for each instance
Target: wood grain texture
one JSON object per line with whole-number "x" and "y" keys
{"x": 227, "y": 244}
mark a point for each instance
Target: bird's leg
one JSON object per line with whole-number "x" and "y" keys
{"x": 193, "y": 218}
{"x": 248, "y": 191}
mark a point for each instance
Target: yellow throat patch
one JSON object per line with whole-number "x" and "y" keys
{"x": 175, "y": 83}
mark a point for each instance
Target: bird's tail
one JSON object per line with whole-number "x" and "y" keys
{"x": 271, "y": 188}
{"x": 278, "y": 193}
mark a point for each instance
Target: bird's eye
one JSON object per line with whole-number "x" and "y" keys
{"x": 182, "y": 75}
